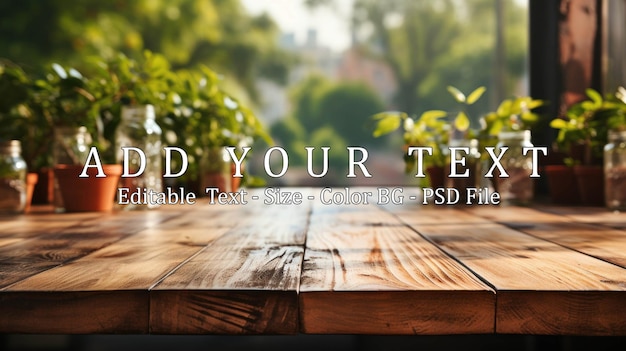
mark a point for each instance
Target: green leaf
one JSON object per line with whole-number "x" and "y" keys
{"x": 534, "y": 103}
{"x": 594, "y": 96}
{"x": 475, "y": 95}
{"x": 432, "y": 115}
{"x": 456, "y": 94}
{"x": 559, "y": 124}
{"x": 529, "y": 117}
{"x": 504, "y": 110}
{"x": 462, "y": 122}
{"x": 387, "y": 125}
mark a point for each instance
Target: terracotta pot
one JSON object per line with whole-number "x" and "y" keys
{"x": 31, "y": 181}
{"x": 235, "y": 183}
{"x": 214, "y": 180}
{"x": 590, "y": 180}
{"x": 87, "y": 194}
{"x": 44, "y": 189}
{"x": 562, "y": 185}
{"x": 436, "y": 176}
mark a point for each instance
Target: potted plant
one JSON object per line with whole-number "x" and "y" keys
{"x": 210, "y": 119}
{"x": 582, "y": 135}
{"x": 15, "y": 119}
{"x": 509, "y": 126}
{"x": 136, "y": 95}
{"x": 68, "y": 104}
{"x": 428, "y": 130}
{"x": 431, "y": 129}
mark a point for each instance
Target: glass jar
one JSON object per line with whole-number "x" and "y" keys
{"x": 70, "y": 147}
{"x": 615, "y": 171}
{"x": 518, "y": 187}
{"x": 12, "y": 177}
{"x": 472, "y": 160}
{"x": 138, "y": 128}
{"x": 215, "y": 170}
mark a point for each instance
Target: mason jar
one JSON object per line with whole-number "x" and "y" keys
{"x": 12, "y": 177}
{"x": 615, "y": 171}
{"x": 139, "y": 129}
{"x": 215, "y": 170}
{"x": 70, "y": 145}
{"x": 518, "y": 187}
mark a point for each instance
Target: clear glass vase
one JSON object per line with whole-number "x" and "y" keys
{"x": 138, "y": 128}
{"x": 12, "y": 177}
{"x": 615, "y": 171}
{"x": 518, "y": 187}
{"x": 215, "y": 170}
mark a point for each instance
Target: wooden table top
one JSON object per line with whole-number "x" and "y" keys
{"x": 315, "y": 268}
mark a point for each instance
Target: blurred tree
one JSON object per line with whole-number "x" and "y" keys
{"x": 327, "y": 114}
{"x": 217, "y": 33}
{"x": 348, "y": 108}
{"x": 432, "y": 44}
{"x": 305, "y": 99}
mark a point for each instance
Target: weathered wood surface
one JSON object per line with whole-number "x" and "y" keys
{"x": 121, "y": 258}
{"x": 375, "y": 275}
{"x": 542, "y": 287}
{"x": 314, "y": 268}
{"x": 246, "y": 282}
{"x": 590, "y": 237}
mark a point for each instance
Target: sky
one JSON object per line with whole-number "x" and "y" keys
{"x": 292, "y": 16}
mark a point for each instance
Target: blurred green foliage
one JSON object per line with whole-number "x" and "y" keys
{"x": 327, "y": 114}
{"x": 432, "y": 44}
{"x": 217, "y": 33}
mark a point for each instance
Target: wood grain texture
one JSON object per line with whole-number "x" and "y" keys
{"x": 246, "y": 282}
{"x": 531, "y": 275}
{"x": 592, "y": 239}
{"x": 74, "y": 312}
{"x": 116, "y": 277}
{"x": 42, "y": 245}
{"x": 360, "y": 278}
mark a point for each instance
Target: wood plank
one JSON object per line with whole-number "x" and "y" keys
{"x": 385, "y": 279}
{"x": 542, "y": 288}
{"x": 33, "y": 251}
{"x": 123, "y": 271}
{"x": 592, "y": 239}
{"x": 590, "y": 215}
{"x": 74, "y": 312}
{"x": 246, "y": 282}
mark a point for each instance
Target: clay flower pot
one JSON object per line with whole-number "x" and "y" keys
{"x": 436, "y": 176}
{"x": 562, "y": 184}
{"x": 590, "y": 180}
{"x": 44, "y": 189}
{"x": 31, "y": 180}
{"x": 87, "y": 194}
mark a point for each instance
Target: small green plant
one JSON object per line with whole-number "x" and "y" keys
{"x": 512, "y": 114}
{"x": 429, "y": 129}
{"x": 585, "y": 126}
{"x": 462, "y": 121}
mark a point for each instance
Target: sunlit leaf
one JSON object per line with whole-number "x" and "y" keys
{"x": 387, "y": 125}
{"x": 505, "y": 108}
{"x": 558, "y": 124}
{"x": 475, "y": 95}
{"x": 59, "y": 70}
{"x": 462, "y": 122}
{"x": 594, "y": 96}
{"x": 456, "y": 94}
{"x": 433, "y": 114}
{"x": 534, "y": 103}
